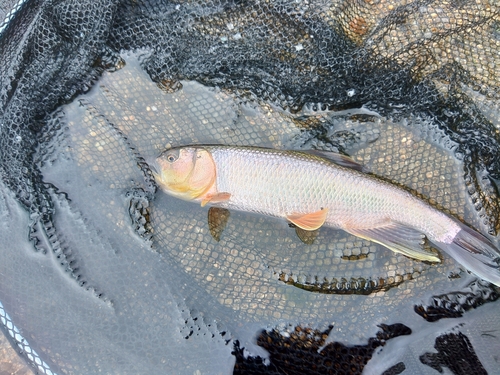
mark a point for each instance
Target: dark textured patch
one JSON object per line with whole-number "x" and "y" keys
{"x": 139, "y": 211}
{"x": 50, "y": 73}
{"x": 453, "y": 305}
{"x": 303, "y": 352}
{"x": 398, "y": 368}
{"x": 306, "y": 236}
{"x": 217, "y": 221}
{"x": 359, "y": 285}
{"x": 455, "y": 352}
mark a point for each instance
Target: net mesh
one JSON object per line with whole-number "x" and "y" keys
{"x": 90, "y": 90}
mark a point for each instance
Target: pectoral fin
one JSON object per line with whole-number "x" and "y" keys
{"x": 217, "y": 221}
{"x": 311, "y": 221}
{"x": 215, "y": 198}
{"x": 400, "y": 239}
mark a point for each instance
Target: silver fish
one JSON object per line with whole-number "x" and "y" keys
{"x": 311, "y": 190}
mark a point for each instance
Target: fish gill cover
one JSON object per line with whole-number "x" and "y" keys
{"x": 100, "y": 273}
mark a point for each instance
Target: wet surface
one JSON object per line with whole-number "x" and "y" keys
{"x": 134, "y": 265}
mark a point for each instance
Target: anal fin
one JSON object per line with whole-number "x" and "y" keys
{"x": 400, "y": 239}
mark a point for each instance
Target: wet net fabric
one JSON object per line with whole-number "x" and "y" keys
{"x": 100, "y": 272}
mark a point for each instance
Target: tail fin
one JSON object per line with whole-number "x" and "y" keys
{"x": 475, "y": 252}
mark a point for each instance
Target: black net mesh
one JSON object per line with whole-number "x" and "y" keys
{"x": 99, "y": 272}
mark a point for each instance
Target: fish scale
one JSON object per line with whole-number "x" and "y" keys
{"x": 279, "y": 183}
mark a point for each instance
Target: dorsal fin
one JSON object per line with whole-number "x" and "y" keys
{"x": 339, "y": 159}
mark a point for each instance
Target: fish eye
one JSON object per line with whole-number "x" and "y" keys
{"x": 172, "y": 156}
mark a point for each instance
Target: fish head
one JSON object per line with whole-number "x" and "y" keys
{"x": 185, "y": 172}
